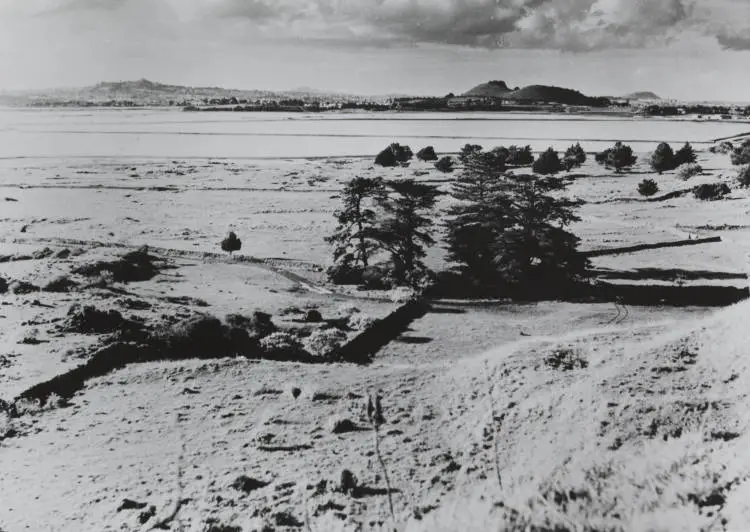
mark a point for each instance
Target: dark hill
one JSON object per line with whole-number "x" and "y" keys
{"x": 644, "y": 95}
{"x": 535, "y": 94}
{"x": 491, "y": 89}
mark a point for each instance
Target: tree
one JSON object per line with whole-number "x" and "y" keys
{"x": 478, "y": 220}
{"x": 574, "y": 157}
{"x": 393, "y": 155}
{"x": 467, "y": 151}
{"x": 537, "y": 253}
{"x": 685, "y": 155}
{"x": 619, "y": 156}
{"x": 231, "y": 243}
{"x": 519, "y": 156}
{"x": 427, "y": 154}
{"x": 663, "y": 158}
{"x": 741, "y": 154}
{"x": 445, "y": 164}
{"x": 406, "y": 230}
{"x": 510, "y": 230}
{"x": 353, "y": 238}
{"x": 648, "y": 187}
{"x": 547, "y": 163}
{"x": 743, "y": 176}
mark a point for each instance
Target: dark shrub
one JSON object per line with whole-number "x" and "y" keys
{"x": 467, "y": 151}
{"x": 204, "y": 336}
{"x": 741, "y": 154}
{"x": 663, "y": 158}
{"x": 23, "y": 287}
{"x": 313, "y": 316}
{"x": 619, "y": 157}
{"x": 743, "y": 178}
{"x": 445, "y": 164}
{"x": 427, "y": 154}
{"x": 648, "y": 187}
{"x": 519, "y": 156}
{"x": 574, "y": 157}
{"x": 547, "y": 163}
{"x": 685, "y": 155}
{"x": 3, "y": 286}
{"x": 258, "y": 325}
{"x": 134, "y": 266}
{"x": 231, "y": 243}
{"x": 344, "y": 273}
{"x": 393, "y": 155}
{"x": 711, "y": 191}
{"x": 60, "y": 284}
{"x": 89, "y": 319}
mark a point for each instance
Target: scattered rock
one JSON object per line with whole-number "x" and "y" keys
{"x": 341, "y": 425}
{"x": 247, "y": 484}
{"x": 129, "y": 504}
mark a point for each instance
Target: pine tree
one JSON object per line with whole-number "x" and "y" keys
{"x": 547, "y": 163}
{"x": 406, "y": 229}
{"x": 477, "y": 221}
{"x": 520, "y": 156}
{"x": 663, "y": 158}
{"x": 619, "y": 156}
{"x": 353, "y": 239}
{"x": 685, "y": 155}
{"x": 537, "y": 252}
{"x": 575, "y": 156}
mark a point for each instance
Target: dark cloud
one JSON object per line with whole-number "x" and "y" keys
{"x": 735, "y": 41}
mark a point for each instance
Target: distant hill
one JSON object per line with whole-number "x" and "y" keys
{"x": 146, "y": 92}
{"x": 491, "y": 89}
{"x": 532, "y": 93}
{"x": 643, "y": 95}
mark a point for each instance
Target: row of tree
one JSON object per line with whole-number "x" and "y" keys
{"x": 502, "y": 231}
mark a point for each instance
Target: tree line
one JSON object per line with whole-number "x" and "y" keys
{"x": 504, "y": 230}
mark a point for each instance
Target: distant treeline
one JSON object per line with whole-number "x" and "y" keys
{"x": 674, "y": 110}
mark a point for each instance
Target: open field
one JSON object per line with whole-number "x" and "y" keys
{"x": 590, "y": 418}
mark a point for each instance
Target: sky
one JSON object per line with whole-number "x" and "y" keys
{"x": 681, "y": 49}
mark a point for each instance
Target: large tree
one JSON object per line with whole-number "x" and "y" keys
{"x": 538, "y": 252}
{"x": 685, "y": 155}
{"x": 406, "y": 229}
{"x": 512, "y": 229}
{"x": 353, "y": 240}
{"x": 619, "y": 157}
{"x": 478, "y": 217}
{"x": 663, "y": 158}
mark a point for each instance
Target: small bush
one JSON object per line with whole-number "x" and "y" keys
{"x": 281, "y": 345}
{"x": 743, "y": 177}
{"x": 724, "y": 147}
{"x": 22, "y": 288}
{"x": 663, "y": 158}
{"x": 402, "y": 294}
{"x": 688, "y": 170}
{"x": 711, "y": 191}
{"x": 467, "y": 151}
{"x": 135, "y": 266}
{"x": 60, "y": 284}
{"x": 89, "y": 319}
{"x": 204, "y": 336}
{"x": 427, "y": 154}
{"x": 548, "y": 163}
{"x": 519, "y": 156}
{"x": 741, "y": 154}
{"x": 685, "y": 155}
{"x": 445, "y": 164}
{"x": 3, "y": 286}
{"x": 321, "y": 343}
{"x": 360, "y": 322}
{"x": 231, "y": 243}
{"x": 257, "y": 326}
{"x": 575, "y": 156}
{"x": 393, "y": 155}
{"x": 648, "y": 187}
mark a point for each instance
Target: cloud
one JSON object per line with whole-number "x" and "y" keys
{"x": 569, "y": 25}
{"x": 734, "y": 41}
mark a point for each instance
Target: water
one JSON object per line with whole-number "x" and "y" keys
{"x": 172, "y": 133}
